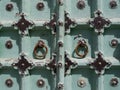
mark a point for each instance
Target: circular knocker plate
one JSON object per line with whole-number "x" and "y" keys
{"x": 81, "y": 45}
{"x": 40, "y": 46}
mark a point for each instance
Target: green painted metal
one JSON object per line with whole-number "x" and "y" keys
{"x": 59, "y": 44}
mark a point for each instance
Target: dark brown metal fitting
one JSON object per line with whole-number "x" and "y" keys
{"x": 40, "y": 6}
{"x": 22, "y": 65}
{"x": 81, "y": 4}
{"x": 9, "y": 44}
{"x": 100, "y": 64}
{"x": 9, "y": 83}
{"x": 68, "y": 21}
{"x": 114, "y": 42}
{"x": 40, "y": 83}
{"x": 9, "y": 7}
{"x": 114, "y": 82}
{"x": 82, "y": 42}
{"x": 52, "y": 23}
{"x": 41, "y": 44}
{"x": 23, "y": 24}
{"x": 60, "y": 2}
{"x": 60, "y": 44}
{"x": 113, "y": 3}
{"x": 99, "y": 22}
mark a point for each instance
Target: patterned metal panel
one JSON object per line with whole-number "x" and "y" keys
{"x": 59, "y": 44}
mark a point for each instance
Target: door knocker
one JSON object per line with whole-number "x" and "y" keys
{"x": 81, "y": 44}
{"x": 40, "y": 45}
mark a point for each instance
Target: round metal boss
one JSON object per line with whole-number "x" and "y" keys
{"x": 9, "y": 83}
{"x": 9, "y": 7}
{"x": 40, "y": 83}
{"x": 40, "y": 6}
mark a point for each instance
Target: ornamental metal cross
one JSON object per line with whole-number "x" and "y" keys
{"x": 99, "y": 22}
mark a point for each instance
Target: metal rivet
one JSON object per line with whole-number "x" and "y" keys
{"x": 81, "y": 4}
{"x": 40, "y": 83}
{"x": 60, "y": 86}
{"x": 9, "y": 7}
{"x": 9, "y": 83}
{"x": 114, "y": 42}
{"x": 9, "y": 44}
{"x": 60, "y": 2}
{"x": 60, "y": 23}
{"x": 114, "y": 82}
{"x": 113, "y": 4}
{"x": 60, "y": 44}
{"x": 60, "y": 64}
{"x": 81, "y": 83}
{"x": 40, "y": 6}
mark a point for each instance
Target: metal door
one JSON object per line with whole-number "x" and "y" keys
{"x": 59, "y": 44}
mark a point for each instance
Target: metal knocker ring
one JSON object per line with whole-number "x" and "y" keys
{"x": 42, "y": 45}
{"x": 81, "y": 44}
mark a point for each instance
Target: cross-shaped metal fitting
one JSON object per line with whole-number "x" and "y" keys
{"x": 99, "y": 22}
{"x": 100, "y": 64}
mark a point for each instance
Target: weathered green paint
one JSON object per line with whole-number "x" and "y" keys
{"x": 60, "y": 43}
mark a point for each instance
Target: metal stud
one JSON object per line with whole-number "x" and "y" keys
{"x": 60, "y": 2}
{"x": 81, "y": 4}
{"x": 9, "y": 83}
{"x": 9, "y": 44}
{"x": 40, "y": 6}
{"x": 114, "y": 42}
{"x": 60, "y": 65}
{"x": 60, "y": 44}
{"x": 40, "y": 83}
{"x": 113, "y": 3}
{"x": 9, "y": 7}
{"x": 81, "y": 83}
{"x": 60, "y": 86}
{"x": 114, "y": 82}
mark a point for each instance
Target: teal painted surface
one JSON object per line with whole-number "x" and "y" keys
{"x": 61, "y": 42}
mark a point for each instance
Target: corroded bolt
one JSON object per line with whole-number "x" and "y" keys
{"x": 9, "y": 44}
{"x": 40, "y": 6}
{"x": 9, "y": 83}
{"x": 40, "y": 83}
{"x": 81, "y": 4}
{"x": 114, "y": 82}
{"x": 9, "y": 7}
{"x": 113, "y": 4}
{"x": 114, "y": 43}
